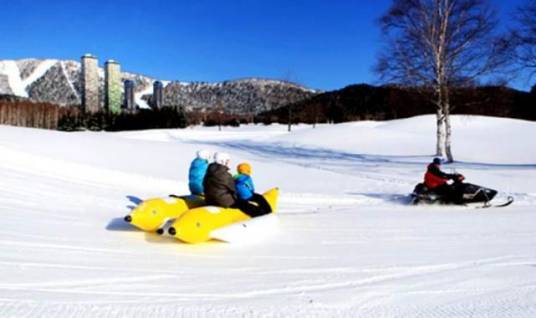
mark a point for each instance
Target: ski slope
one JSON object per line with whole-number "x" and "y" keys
{"x": 9, "y": 68}
{"x": 348, "y": 245}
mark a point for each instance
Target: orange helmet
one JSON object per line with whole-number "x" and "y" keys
{"x": 244, "y": 168}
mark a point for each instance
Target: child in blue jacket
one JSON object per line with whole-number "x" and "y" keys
{"x": 198, "y": 169}
{"x": 245, "y": 191}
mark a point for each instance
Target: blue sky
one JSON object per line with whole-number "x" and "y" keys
{"x": 321, "y": 44}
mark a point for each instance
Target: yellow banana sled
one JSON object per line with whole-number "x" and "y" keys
{"x": 192, "y": 221}
{"x": 152, "y": 214}
{"x": 196, "y": 225}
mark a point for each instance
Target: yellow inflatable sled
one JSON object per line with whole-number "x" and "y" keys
{"x": 151, "y": 214}
{"x": 196, "y": 225}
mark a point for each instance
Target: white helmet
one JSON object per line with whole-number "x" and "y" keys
{"x": 204, "y": 154}
{"x": 222, "y": 158}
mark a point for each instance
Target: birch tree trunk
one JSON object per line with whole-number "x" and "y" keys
{"x": 440, "y": 133}
{"x": 448, "y": 130}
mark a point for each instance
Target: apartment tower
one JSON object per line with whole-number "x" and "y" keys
{"x": 158, "y": 94}
{"x": 129, "y": 95}
{"x": 90, "y": 84}
{"x": 112, "y": 86}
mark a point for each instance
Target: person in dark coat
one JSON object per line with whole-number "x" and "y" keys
{"x": 218, "y": 183}
{"x": 220, "y": 189}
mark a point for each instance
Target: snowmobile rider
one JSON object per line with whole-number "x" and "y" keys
{"x": 437, "y": 181}
{"x": 198, "y": 169}
{"x": 220, "y": 189}
{"x": 246, "y": 190}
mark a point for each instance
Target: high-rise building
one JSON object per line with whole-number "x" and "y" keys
{"x": 129, "y": 95}
{"x": 90, "y": 84}
{"x": 112, "y": 86}
{"x": 158, "y": 94}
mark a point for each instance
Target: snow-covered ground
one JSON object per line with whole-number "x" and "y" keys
{"x": 348, "y": 244}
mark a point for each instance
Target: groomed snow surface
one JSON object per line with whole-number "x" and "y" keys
{"x": 348, "y": 244}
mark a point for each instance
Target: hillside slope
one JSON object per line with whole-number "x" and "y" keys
{"x": 348, "y": 243}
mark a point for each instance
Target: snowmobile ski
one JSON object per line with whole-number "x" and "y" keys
{"x": 487, "y": 205}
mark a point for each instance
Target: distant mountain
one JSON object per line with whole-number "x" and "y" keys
{"x": 238, "y": 96}
{"x": 367, "y": 102}
{"x": 58, "y": 82}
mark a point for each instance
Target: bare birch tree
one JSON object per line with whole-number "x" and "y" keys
{"x": 525, "y": 37}
{"x": 438, "y": 45}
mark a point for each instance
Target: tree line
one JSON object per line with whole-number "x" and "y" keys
{"x": 17, "y": 112}
{"x": 22, "y": 112}
{"x": 367, "y": 102}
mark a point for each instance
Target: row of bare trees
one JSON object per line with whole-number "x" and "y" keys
{"x": 439, "y": 45}
{"x": 25, "y": 113}
{"x": 36, "y": 115}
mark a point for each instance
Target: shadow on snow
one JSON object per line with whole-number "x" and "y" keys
{"x": 404, "y": 199}
{"x": 279, "y": 150}
{"x": 119, "y": 224}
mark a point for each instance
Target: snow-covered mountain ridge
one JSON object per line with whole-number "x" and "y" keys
{"x": 58, "y": 82}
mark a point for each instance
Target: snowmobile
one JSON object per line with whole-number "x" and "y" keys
{"x": 462, "y": 194}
